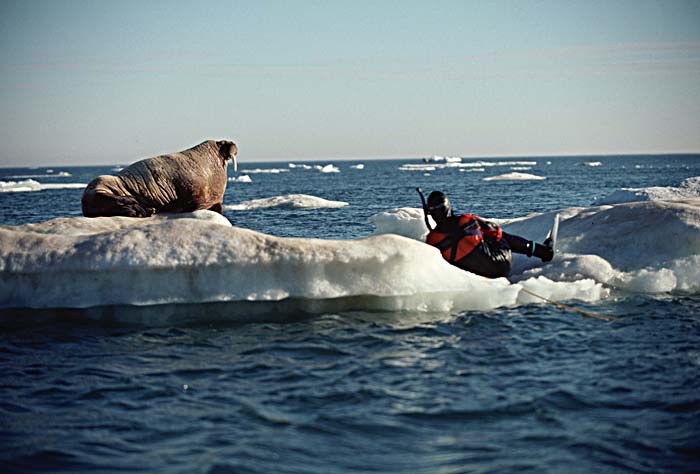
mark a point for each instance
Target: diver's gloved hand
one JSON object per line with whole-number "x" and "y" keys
{"x": 543, "y": 252}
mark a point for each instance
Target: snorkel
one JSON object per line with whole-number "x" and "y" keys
{"x": 425, "y": 208}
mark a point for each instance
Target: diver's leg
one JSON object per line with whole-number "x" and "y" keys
{"x": 489, "y": 259}
{"x": 529, "y": 248}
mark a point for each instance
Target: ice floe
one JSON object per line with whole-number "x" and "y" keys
{"x": 240, "y": 179}
{"x": 49, "y": 174}
{"x": 288, "y": 201}
{"x": 614, "y": 245}
{"x": 265, "y": 171}
{"x": 515, "y": 176}
{"x": 690, "y": 188}
{"x": 168, "y": 261}
{"x": 200, "y": 258}
{"x": 30, "y": 185}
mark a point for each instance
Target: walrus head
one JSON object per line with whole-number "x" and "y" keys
{"x": 228, "y": 151}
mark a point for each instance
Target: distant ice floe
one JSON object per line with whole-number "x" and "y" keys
{"x": 444, "y": 159}
{"x": 240, "y": 179}
{"x": 265, "y": 171}
{"x": 329, "y": 168}
{"x": 289, "y": 201}
{"x": 49, "y": 174}
{"x": 515, "y": 176}
{"x": 591, "y": 163}
{"x": 690, "y": 188}
{"x": 29, "y": 185}
{"x": 359, "y": 166}
{"x": 414, "y": 167}
{"x": 462, "y": 165}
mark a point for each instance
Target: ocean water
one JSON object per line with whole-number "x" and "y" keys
{"x": 356, "y": 387}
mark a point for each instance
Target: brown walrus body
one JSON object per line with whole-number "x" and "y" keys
{"x": 179, "y": 182}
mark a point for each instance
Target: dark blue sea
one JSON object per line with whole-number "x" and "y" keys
{"x": 533, "y": 388}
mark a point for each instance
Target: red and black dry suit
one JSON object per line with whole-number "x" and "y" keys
{"x": 478, "y": 246}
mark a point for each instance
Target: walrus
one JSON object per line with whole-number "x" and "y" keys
{"x": 179, "y": 182}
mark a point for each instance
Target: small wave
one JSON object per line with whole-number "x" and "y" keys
{"x": 289, "y": 201}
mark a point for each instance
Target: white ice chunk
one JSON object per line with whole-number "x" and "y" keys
{"x": 288, "y": 201}
{"x": 515, "y": 176}
{"x": 29, "y": 185}
{"x": 196, "y": 259}
{"x": 240, "y": 179}
{"x": 265, "y": 171}
{"x": 690, "y": 188}
{"x": 649, "y": 247}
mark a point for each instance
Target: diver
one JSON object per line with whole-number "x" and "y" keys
{"x": 474, "y": 244}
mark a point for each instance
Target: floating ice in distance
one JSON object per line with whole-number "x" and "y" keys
{"x": 327, "y": 168}
{"x": 444, "y": 159}
{"x": 29, "y": 185}
{"x": 473, "y": 170}
{"x": 521, "y": 168}
{"x": 432, "y": 165}
{"x": 240, "y": 179}
{"x": 289, "y": 201}
{"x": 415, "y": 167}
{"x": 61, "y": 174}
{"x": 359, "y": 166}
{"x": 265, "y": 170}
{"x": 690, "y": 188}
{"x": 515, "y": 176}
{"x": 302, "y": 166}
{"x": 591, "y": 163}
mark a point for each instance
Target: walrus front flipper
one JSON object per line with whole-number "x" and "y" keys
{"x": 218, "y": 207}
{"x": 102, "y": 204}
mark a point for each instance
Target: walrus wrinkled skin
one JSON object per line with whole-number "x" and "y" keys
{"x": 179, "y": 182}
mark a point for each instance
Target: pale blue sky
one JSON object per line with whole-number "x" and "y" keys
{"x": 111, "y": 82}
